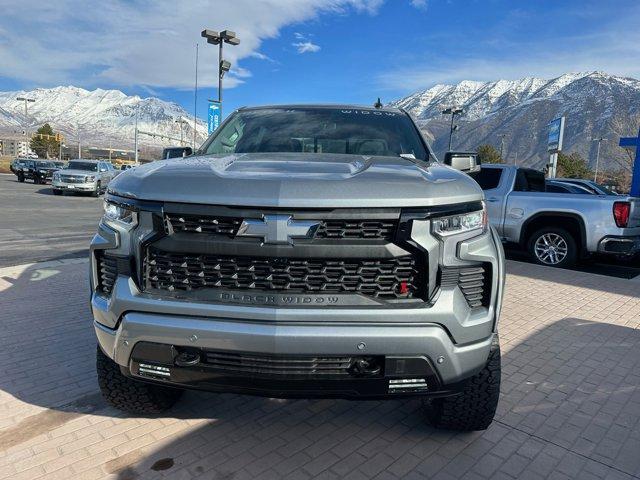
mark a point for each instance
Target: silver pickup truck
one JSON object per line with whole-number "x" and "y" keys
{"x": 557, "y": 228}
{"x": 304, "y": 251}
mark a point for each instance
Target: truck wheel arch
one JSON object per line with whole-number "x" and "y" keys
{"x": 572, "y": 222}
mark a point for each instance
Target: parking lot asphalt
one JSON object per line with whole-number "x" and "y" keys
{"x": 35, "y": 225}
{"x": 569, "y": 406}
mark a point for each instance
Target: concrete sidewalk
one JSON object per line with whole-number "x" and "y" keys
{"x": 570, "y": 405}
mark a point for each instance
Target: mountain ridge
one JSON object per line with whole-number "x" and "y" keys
{"x": 595, "y": 103}
{"x": 102, "y": 116}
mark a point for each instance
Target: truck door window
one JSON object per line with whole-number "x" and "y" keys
{"x": 488, "y": 178}
{"x": 529, "y": 180}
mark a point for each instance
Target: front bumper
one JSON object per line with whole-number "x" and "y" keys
{"x": 147, "y": 342}
{"x": 619, "y": 245}
{"x": 77, "y": 187}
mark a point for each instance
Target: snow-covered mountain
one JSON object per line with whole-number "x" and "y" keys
{"x": 595, "y": 105}
{"x": 99, "y": 117}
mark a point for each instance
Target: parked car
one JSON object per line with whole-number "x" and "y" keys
{"x": 557, "y": 228}
{"x": 304, "y": 252}
{"x": 40, "y": 171}
{"x": 80, "y": 175}
{"x": 593, "y": 187}
{"x": 554, "y": 186}
{"x": 17, "y": 165}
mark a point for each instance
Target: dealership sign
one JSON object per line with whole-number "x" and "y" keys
{"x": 556, "y": 134}
{"x": 213, "y": 118}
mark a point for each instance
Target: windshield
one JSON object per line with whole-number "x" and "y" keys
{"x": 46, "y": 165}
{"x": 318, "y": 130}
{"x": 87, "y": 166}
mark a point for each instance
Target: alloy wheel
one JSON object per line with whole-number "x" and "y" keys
{"x": 551, "y": 248}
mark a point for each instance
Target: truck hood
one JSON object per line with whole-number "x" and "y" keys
{"x": 296, "y": 180}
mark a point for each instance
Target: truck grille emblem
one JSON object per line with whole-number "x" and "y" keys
{"x": 278, "y": 229}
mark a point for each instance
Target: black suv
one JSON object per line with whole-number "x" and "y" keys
{"x": 40, "y": 171}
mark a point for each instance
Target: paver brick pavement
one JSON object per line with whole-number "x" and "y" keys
{"x": 570, "y": 403}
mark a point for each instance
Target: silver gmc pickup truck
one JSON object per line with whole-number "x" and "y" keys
{"x": 557, "y": 228}
{"x": 303, "y": 251}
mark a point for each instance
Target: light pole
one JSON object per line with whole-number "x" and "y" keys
{"x": 453, "y": 111}
{"x": 135, "y": 138}
{"x": 60, "y": 153}
{"x": 502, "y": 145}
{"x": 215, "y": 38}
{"x": 599, "y": 140}
{"x": 181, "y": 121}
{"x": 26, "y": 101}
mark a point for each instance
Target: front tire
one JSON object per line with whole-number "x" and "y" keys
{"x": 96, "y": 193}
{"x": 475, "y": 407}
{"x": 57, "y": 192}
{"x": 553, "y": 246}
{"x": 130, "y": 395}
{"x": 21, "y": 177}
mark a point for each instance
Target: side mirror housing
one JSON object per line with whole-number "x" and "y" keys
{"x": 467, "y": 162}
{"x": 187, "y": 151}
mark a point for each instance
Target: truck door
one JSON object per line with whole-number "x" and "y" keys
{"x": 492, "y": 181}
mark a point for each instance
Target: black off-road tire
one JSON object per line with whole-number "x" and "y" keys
{"x": 97, "y": 191}
{"x": 21, "y": 177}
{"x": 475, "y": 407}
{"x": 130, "y": 395}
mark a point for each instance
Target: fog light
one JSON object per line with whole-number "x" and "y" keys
{"x": 146, "y": 370}
{"x": 407, "y": 385}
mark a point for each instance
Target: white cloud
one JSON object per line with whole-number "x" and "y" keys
{"x": 306, "y": 47}
{"x": 143, "y": 43}
{"x": 421, "y": 4}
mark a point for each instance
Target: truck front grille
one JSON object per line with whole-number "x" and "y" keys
{"x": 339, "y": 229}
{"x": 73, "y": 178}
{"x": 392, "y": 278}
{"x": 474, "y": 282}
{"x": 291, "y": 366}
{"x": 203, "y": 224}
{"x": 369, "y": 229}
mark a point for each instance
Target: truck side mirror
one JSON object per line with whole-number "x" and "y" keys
{"x": 187, "y": 151}
{"x": 467, "y": 162}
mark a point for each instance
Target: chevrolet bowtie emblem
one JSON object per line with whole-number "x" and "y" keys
{"x": 278, "y": 229}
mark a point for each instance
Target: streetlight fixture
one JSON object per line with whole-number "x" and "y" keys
{"x": 215, "y": 38}
{"x": 599, "y": 140}
{"x": 26, "y": 101}
{"x": 453, "y": 111}
{"x": 181, "y": 121}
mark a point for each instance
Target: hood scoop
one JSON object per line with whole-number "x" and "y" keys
{"x": 286, "y": 167}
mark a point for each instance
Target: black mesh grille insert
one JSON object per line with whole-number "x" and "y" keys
{"x": 107, "y": 273}
{"x": 202, "y": 224}
{"x": 369, "y": 229}
{"x": 331, "y": 229}
{"x": 291, "y": 366}
{"x": 386, "y": 278}
{"x": 474, "y": 282}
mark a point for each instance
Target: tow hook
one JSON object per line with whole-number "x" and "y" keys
{"x": 187, "y": 359}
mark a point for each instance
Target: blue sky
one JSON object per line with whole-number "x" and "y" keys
{"x": 348, "y": 51}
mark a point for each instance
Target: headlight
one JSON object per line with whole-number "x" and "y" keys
{"x": 90, "y": 178}
{"x": 119, "y": 214}
{"x": 461, "y": 223}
